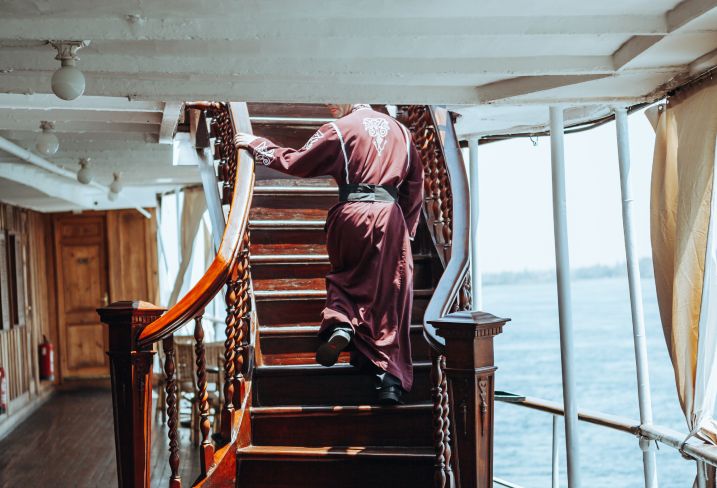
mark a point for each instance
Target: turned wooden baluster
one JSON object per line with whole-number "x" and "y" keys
{"x": 443, "y": 476}
{"x": 222, "y": 131}
{"x": 207, "y": 456}
{"x": 230, "y": 299}
{"x": 243, "y": 273}
{"x": 170, "y": 369}
{"x": 239, "y": 330}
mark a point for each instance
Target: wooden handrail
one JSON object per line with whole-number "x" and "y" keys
{"x": 134, "y": 327}
{"x": 216, "y": 276}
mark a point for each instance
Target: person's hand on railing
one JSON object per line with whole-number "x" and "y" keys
{"x": 243, "y": 139}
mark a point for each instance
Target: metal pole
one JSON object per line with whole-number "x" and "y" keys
{"x": 210, "y": 184}
{"x": 633, "y": 276}
{"x": 476, "y": 280}
{"x": 562, "y": 262}
{"x": 556, "y": 454}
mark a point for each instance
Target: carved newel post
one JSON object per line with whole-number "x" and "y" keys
{"x": 470, "y": 372}
{"x": 131, "y": 372}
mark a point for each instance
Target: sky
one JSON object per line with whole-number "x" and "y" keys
{"x": 516, "y": 220}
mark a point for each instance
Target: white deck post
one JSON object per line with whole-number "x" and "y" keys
{"x": 555, "y": 471}
{"x": 476, "y": 280}
{"x": 633, "y": 276}
{"x": 562, "y": 261}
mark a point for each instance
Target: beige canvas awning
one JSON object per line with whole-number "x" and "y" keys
{"x": 684, "y": 248}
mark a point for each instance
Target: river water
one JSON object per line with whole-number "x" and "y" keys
{"x": 528, "y": 358}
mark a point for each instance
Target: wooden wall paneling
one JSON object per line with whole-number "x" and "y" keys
{"x": 18, "y": 341}
{"x": 4, "y": 283}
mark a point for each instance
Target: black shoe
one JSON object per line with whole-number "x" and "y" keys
{"x": 390, "y": 395}
{"x": 328, "y": 353}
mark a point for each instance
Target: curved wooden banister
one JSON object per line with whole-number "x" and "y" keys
{"x": 446, "y": 209}
{"x": 218, "y": 272}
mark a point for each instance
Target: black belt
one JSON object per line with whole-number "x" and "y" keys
{"x": 364, "y": 192}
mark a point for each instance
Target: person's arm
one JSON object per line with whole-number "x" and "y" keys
{"x": 317, "y": 158}
{"x": 410, "y": 193}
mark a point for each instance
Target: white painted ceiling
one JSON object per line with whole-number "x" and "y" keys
{"x": 499, "y": 64}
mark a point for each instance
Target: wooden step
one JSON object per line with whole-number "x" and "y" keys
{"x": 287, "y": 237}
{"x": 331, "y": 467}
{"x": 316, "y": 385}
{"x": 298, "y": 344}
{"x": 293, "y": 202}
{"x": 287, "y": 284}
{"x": 365, "y": 425}
{"x": 303, "y": 307}
{"x": 267, "y": 268}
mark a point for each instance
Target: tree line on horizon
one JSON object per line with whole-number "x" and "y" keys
{"x": 584, "y": 273}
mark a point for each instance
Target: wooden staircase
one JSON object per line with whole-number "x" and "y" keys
{"x": 287, "y": 421}
{"x": 310, "y": 422}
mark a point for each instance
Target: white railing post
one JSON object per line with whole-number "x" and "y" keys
{"x": 633, "y": 276}
{"x": 476, "y": 281}
{"x": 565, "y": 315}
{"x": 556, "y": 455}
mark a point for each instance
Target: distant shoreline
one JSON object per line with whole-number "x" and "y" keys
{"x": 587, "y": 273}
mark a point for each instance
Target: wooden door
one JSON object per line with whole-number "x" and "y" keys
{"x": 81, "y": 270}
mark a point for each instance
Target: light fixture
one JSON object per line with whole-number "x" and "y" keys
{"x": 84, "y": 175}
{"x": 47, "y": 143}
{"x": 68, "y": 82}
{"x": 115, "y": 187}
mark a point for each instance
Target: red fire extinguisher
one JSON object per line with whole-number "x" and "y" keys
{"x": 47, "y": 360}
{"x": 3, "y": 391}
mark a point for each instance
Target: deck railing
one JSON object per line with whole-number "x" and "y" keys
{"x": 693, "y": 449}
{"x": 137, "y": 327}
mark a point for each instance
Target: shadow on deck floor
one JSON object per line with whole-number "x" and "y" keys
{"x": 69, "y": 442}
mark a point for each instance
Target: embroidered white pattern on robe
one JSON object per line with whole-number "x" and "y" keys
{"x": 312, "y": 140}
{"x": 378, "y": 130}
{"x": 263, "y": 155}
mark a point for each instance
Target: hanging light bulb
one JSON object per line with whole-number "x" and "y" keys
{"x": 115, "y": 187}
{"x": 68, "y": 82}
{"x": 47, "y": 143}
{"x": 84, "y": 175}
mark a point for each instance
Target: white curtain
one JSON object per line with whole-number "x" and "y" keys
{"x": 684, "y": 248}
{"x": 193, "y": 209}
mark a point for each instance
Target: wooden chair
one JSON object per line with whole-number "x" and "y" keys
{"x": 187, "y": 380}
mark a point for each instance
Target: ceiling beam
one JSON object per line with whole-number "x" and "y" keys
{"x": 679, "y": 17}
{"x": 21, "y": 117}
{"x": 11, "y": 121}
{"x": 326, "y": 91}
{"x": 528, "y": 84}
{"x": 51, "y": 185}
{"x": 686, "y": 12}
{"x": 170, "y": 118}
{"x": 25, "y": 155}
{"x": 475, "y": 71}
{"x": 240, "y": 27}
{"x": 633, "y": 48}
{"x": 49, "y": 101}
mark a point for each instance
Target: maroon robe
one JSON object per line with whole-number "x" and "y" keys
{"x": 370, "y": 285}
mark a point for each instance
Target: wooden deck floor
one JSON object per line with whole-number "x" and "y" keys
{"x": 69, "y": 442}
